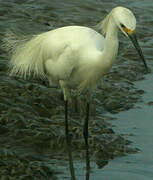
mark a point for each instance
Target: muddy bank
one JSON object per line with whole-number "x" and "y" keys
{"x": 32, "y": 113}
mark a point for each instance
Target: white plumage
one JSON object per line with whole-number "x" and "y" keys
{"x": 71, "y": 53}
{"x": 79, "y": 56}
{"x": 76, "y": 58}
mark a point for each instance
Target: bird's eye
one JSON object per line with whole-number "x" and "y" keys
{"x": 122, "y": 25}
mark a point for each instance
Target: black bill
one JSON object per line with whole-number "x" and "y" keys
{"x": 134, "y": 40}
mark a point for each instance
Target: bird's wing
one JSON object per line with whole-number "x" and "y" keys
{"x": 62, "y": 67}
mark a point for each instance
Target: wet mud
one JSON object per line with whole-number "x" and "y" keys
{"x": 32, "y": 133}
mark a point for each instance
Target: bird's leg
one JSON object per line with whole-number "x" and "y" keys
{"x": 68, "y": 138}
{"x": 68, "y": 141}
{"x": 85, "y": 133}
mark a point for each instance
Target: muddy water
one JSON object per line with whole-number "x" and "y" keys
{"x": 32, "y": 115}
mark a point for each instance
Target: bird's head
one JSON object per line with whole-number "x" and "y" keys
{"x": 126, "y": 22}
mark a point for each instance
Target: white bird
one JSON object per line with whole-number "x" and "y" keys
{"x": 75, "y": 57}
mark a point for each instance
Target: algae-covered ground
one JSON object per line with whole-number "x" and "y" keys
{"x": 32, "y": 113}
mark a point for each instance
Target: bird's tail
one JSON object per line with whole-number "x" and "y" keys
{"x": 26, "y": 56}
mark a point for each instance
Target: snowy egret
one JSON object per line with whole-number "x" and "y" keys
{"x": 74, "y": 57}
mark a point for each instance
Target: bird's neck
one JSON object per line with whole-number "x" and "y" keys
{"x": 110, "y": 50}
{"x": 111, "y": 38}
{"x": 111, "y": 42}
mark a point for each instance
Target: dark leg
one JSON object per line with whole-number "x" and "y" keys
{"x": 85, "y": 133}
{"x": 76, "y": 104}
{"x": 68, "y": 141}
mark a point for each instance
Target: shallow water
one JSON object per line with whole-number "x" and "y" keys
{"x": 135, "y": 124}
{"x": 138, "y": 122}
